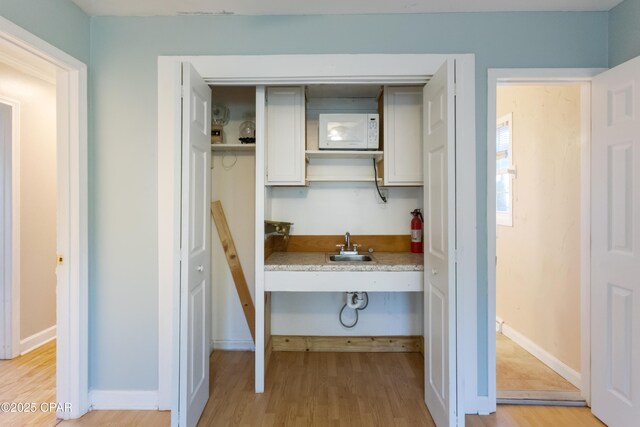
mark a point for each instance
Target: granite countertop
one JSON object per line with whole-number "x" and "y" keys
{"x": 316, "y": 261}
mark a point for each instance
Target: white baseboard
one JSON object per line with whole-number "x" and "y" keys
{"x": 544, "y": 356}
{"x": 482, "y": 406}
{"x": 233, "y": 345}
{"x": 36, "y": 340}
{"x": 123, "y": 399}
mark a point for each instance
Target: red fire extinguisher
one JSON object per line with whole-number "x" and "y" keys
{"x": 416, "y": 231}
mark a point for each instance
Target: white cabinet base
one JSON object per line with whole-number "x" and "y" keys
{"x": 341, "y": 281}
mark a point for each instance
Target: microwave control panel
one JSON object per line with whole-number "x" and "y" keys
{"x": 372, "y": 131}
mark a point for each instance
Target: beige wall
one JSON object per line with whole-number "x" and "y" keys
{"x": 538, "y": 269}
{"x": 37, "y": 197}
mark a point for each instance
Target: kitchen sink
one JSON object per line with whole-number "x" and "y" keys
{"x": 350, "y": 258}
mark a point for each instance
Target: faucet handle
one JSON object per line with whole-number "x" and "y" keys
{"x": 355, "y": 247}
{"x": 341, "y": 246}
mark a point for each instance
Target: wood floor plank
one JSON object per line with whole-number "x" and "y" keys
{"x": 302, "y": 389}
{"x": 535, "y": 416}
{"x": 121, "y": 419}
{"x": 517, "y": 369}
{"x": 26, "y": 379}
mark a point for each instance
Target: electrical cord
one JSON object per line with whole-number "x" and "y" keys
{"x": 228, "y": 167}
{"x": 356, "y": 311}
{"x": 375, "y": 176}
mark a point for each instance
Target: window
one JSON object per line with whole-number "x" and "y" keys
{"x": 504, "y": 171}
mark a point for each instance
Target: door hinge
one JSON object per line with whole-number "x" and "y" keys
{"x": 455, "y": 89}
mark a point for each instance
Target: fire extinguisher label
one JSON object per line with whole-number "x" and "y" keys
{"x": 416, "y": 236}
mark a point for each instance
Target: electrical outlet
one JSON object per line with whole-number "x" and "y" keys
{"x": 385, "y": 193}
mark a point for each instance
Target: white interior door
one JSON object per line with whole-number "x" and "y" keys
{"x": 615, "y": 246}
{"x": 439, "y": 270}
{"x": 195, "y": 247}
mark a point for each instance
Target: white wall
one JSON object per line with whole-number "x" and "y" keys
{"x": 235, "y": 188}
{"x": 333, "y": 209}
{"x": 233, "y": 183}
{"x": 538, "y": 269}
{"x": 37, "y": 100}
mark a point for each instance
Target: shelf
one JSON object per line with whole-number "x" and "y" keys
{"x": 341, "y": 179}
{"x": 343, "y": 154}
{"x": 233, "y": 147}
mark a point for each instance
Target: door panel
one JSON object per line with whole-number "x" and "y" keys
{"x": 440, "y": 273}
{"x": 436, "y": 215}
{"x": 196, "y": 246}
{"x": 403, "y": 117}
{"x": 620, "y": 158}
{"x": 615, "y": 231}
{"x": 285, "y": 136}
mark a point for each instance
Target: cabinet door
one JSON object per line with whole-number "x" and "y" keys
{"x": 402, "y": 135}
{"x": 285, "y": 124}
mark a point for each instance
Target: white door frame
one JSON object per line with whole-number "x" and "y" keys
{"x": 306, "y": 69}
{"x": 10, "y": 250}
{"x": 72, "y": 230}
{"x": 531, "y": 76}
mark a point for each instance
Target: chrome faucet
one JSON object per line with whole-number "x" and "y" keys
{"x": 346, "y": 248}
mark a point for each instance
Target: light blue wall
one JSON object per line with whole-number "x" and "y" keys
{"x": 624, "y": 32}
{"x": 123, "y": 141}
{"x": 59, "y": 22}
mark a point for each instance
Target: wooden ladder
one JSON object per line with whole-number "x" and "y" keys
{"x": 234, "y": 264}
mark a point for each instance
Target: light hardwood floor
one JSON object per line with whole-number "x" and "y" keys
{"x": 517, "y": 369}
{"x": 311, "y": 389}
{"x": 319, "y": 389}
{"x": 26, "y": 379}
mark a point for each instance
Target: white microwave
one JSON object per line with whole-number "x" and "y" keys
{"x": 348, "y": 131}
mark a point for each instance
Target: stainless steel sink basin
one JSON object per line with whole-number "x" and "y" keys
{"x": 350, "y": 258}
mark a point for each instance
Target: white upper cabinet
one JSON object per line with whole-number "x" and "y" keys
{"x": 402, "y": 136}
{"x": 285, "y": 131}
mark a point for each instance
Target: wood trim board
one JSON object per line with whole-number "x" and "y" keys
{"x": 381, "y": 344}
{"x": 267, "y": 352}
{"x": 234, "y": 264}
{"x": 327, "y": 243}
{"x": 560, "y": 395}
{"x": 269, "y": 245}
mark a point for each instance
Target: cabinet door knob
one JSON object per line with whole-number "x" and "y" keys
{"x": 434, "y": 271}
{"x": 200, "y": 268}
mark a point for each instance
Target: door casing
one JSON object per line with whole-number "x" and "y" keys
{"x": 72, "y": 320}
{"x": 532, "y": 76}
{"x": 262, "y": 70}
{"x": 10, "y": 249}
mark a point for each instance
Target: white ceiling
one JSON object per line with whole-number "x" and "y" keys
{"x": 329, "y": 7}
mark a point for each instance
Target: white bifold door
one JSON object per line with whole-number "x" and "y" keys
{"x": 439, "y": 260}
{"x": 615, "y": 246}
{"x": 195, "y": 270}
